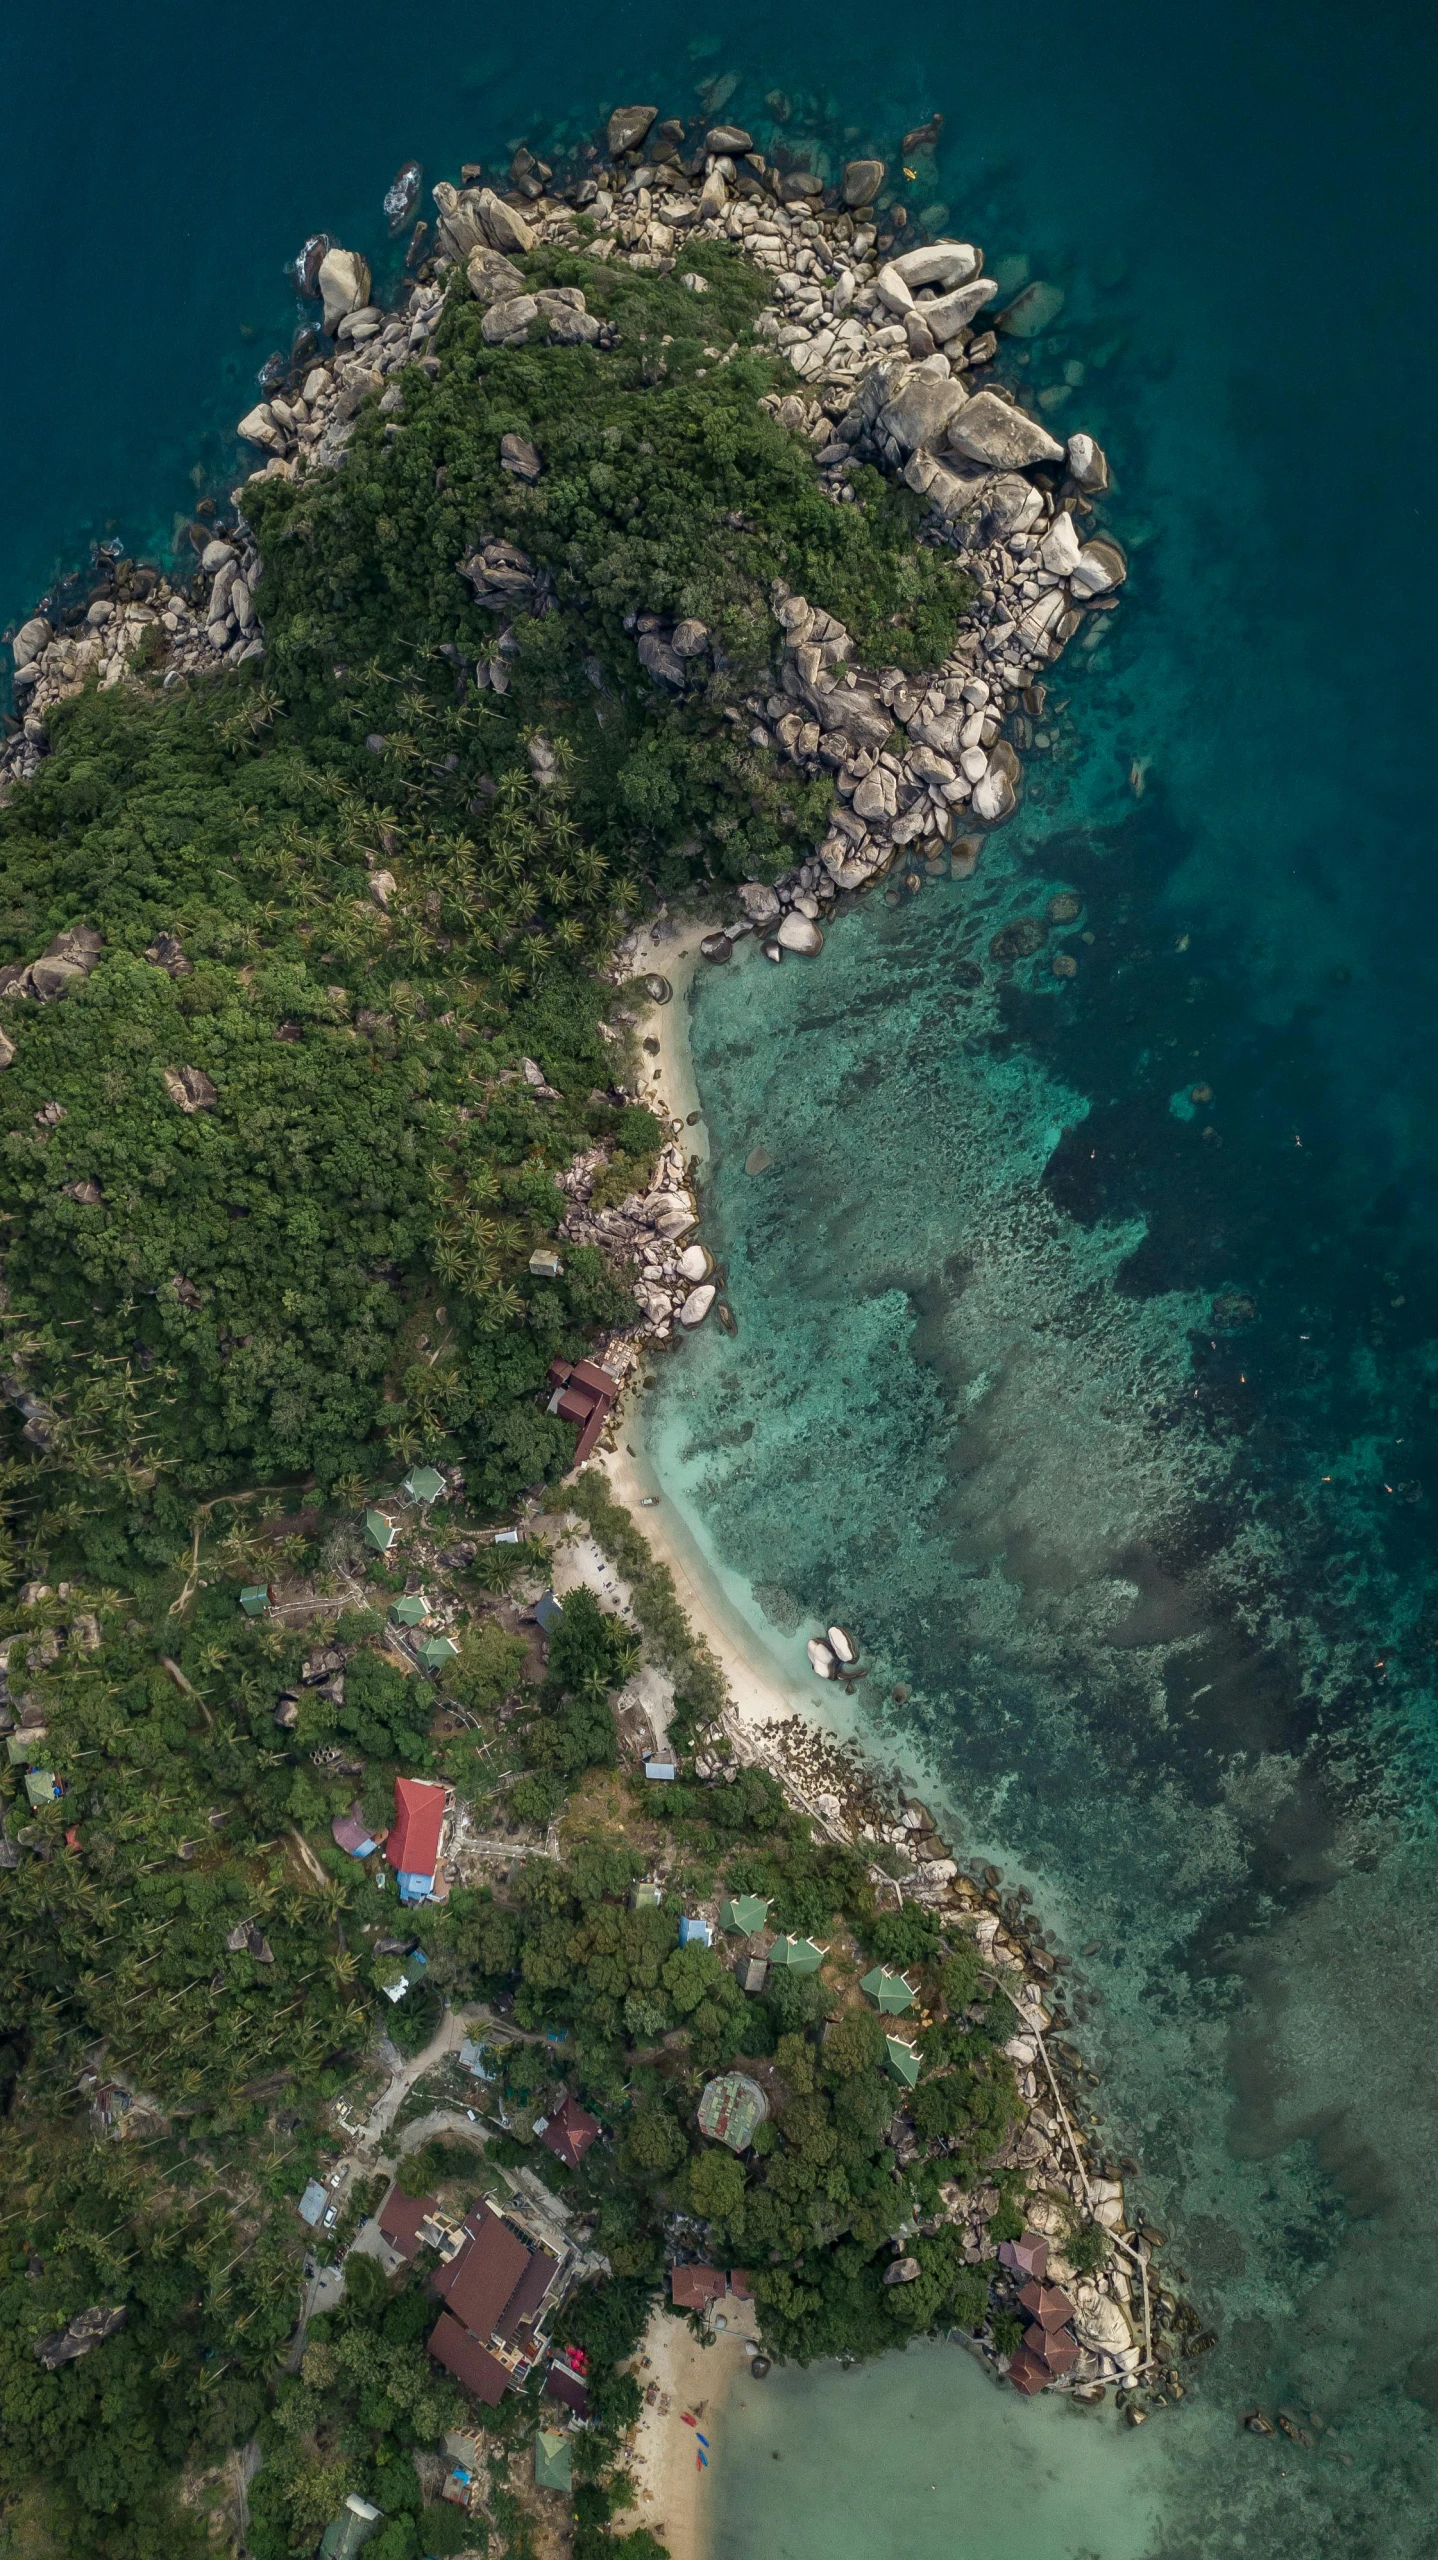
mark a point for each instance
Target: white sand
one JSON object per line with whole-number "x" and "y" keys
{"x": 673, "y": 2494}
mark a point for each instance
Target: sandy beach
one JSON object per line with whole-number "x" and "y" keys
{"x": 673, "y": 2492}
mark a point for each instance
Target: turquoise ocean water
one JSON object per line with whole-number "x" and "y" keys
{"x": 1107, "y": 1415}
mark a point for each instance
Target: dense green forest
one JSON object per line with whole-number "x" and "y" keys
{"x": 273, "y": 1169}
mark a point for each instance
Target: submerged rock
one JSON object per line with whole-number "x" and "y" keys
{"x": 402, "y": 197}
{"x": 861, "y": 182}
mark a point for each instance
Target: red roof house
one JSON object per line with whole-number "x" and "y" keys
{"x": 563, "y": 2385}
{"x": 400, "y": 2217}
{"x": 469, "y": 2362}
{"x": 583, "y": 1393}
{"x": 569, "y": 2133}
{"x": 412, "y": 1847}
{"x": 492, "y": 2288}
{"x": 690, "y": 2288}
{"x": 1026, "y": 2257}
{"x": 1027, "y": 2374}
{"x": 1052, "y": 2347}
{"x": 1045, "y": 2303}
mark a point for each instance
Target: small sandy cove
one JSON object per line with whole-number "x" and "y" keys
{"x": 673, "y": 2492}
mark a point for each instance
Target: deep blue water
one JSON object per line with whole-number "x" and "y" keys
{"x": 1161, "y": 1584}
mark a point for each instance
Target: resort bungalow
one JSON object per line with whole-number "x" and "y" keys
{"x": 889, "y": 1992}
{"x": 423, "y": 1484}
{"x": 694, "y": 1933}
{"x": 743, "y": 1914}
{"x": 437, "y": 1652}
{"x": 412, "y": 1848}
{"x": 797, "y": 1955}
{"x": 381, "y": 1531}
{"x": 548, "y": 1610}
{"x": 660, "y": 1772}
{"x": 903, "y": 2062}
{"x": 412, "y": 1610}
{"x": 255, "y": 1599}
{"x": 584, "y": 1394}
{"x": 495, "y": 2289}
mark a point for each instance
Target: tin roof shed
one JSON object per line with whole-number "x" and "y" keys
{"x": 552, "y": 2469}
{"x": 732, "y": 2109}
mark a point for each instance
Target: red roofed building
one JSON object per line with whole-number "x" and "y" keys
{"x": 1045, "y": 2303}
{"x": 563, "y": 2385}
{"x": 469, "y": 2362}
{"x": 493, "y": 2289}
{"x": 569, "y": 2133}
{"x": 1027, "y": 2374}
{"x": 413, "y": 1845}
{"x": 690, "y": 2288}
{"x": 1053, "y": 2347}
{"x": 585, "y": 1394}
{"x": 1026, "y": 2257}
{"x": 399, "y": 2219}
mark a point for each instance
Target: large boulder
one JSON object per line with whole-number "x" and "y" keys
{"x": 30, "y": 639}
{"x": 1088, "y": 464}
{"x": 1059, "y": 549}
{"x": 953, "y": 311}
{"x": 988, "y": 429}
{"x": 564, "y": 314}
{"x": 460, "y": 229}
{"x": 796, "y": 933}
{"x": 728, "y": 141}
{"x": 893, "y": 292}
{"x": 918, "y": 416}
{"x": 260, "y": 426}
{"x": 659, "y": 659}
{"x": 698, "y": 1303}
{"x": 861, "y": 182}
{"x": 190, "y": 1089}
{"x": 501, "y": 224}
{"x": 519, "y": 457}
{"x": 945, "y": 263}
{"x": 506, "y": 324}
{"x": 1100, "y": 566}
{"x": 344, "y": 283}
{"x": 760, "y": 904}
{"x": 491, "y": 276}
{"x": 627, "y": 127}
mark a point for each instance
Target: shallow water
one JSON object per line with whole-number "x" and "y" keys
{"x": 1159, "y": 1584}
{"x": 938, "y": 2462}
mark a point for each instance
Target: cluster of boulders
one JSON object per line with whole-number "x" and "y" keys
{"x": 115, "y": 638}
{"x": 650, "y": 1239}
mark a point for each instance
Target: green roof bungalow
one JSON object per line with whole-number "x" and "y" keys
{"x": 732, "y": 2109}
{"x": 351, "y": 2529}
{"x": 255, "y": 1600}
{"x": 646, "y": 1897}
{"x": 437, "y": 1652}
{"x": 552, "y": 2469}
{"x": 889, "y": 1992}
{"x": 746, "y": 1913}
{"x": 20, "y": 1747}
{"x": 797, "y": 1955}
{"x": 380, "y": 1530}
{"x": 903, "y": 2062}
{"x": 412, "y": 1610}
{"x": 43, "y": 1787}
{"x": 423, "y": 1484}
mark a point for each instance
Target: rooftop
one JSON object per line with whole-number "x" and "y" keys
{"x": 570, "y": 2132}
{"x": 413, "y": 1844}
{"x": 399, "y": 2219}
